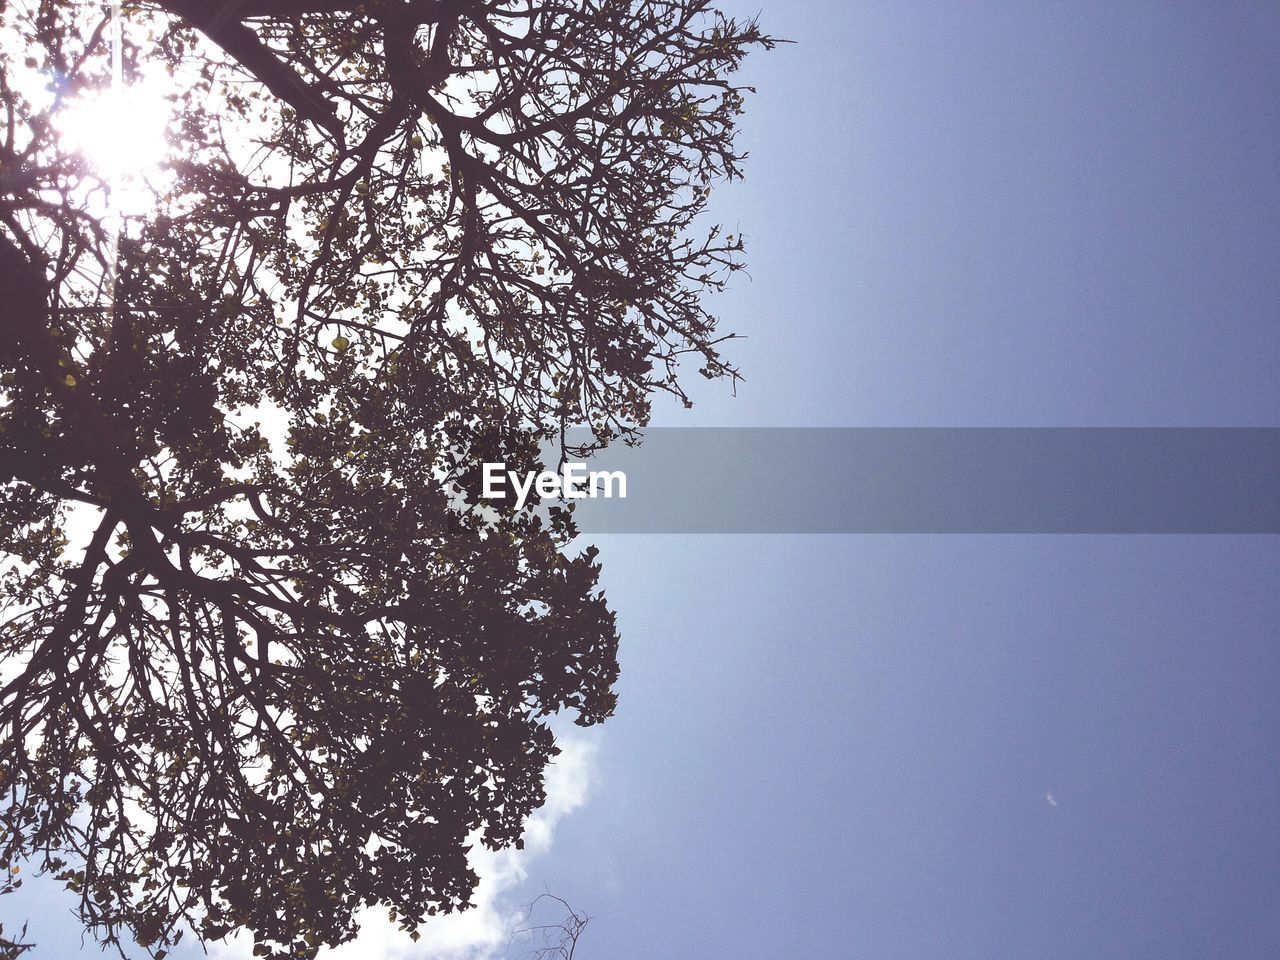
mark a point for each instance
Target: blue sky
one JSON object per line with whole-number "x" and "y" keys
{"x": 976, "y": 214}
{"x": 1012, "y": 214}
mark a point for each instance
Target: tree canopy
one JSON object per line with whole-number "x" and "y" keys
{"x": 264, "y": 664}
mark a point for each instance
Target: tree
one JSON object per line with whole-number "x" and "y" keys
{"x": 12, "y": 949}
{"x": 264, "y": 663}
{"x": 550, "y": 941}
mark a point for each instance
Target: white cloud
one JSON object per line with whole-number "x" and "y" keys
{"x": 483, "y": 931}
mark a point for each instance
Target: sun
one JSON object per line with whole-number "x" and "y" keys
{"x": 121, "y": 132}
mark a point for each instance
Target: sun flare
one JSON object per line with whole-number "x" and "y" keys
{"x": 121, "y": 133}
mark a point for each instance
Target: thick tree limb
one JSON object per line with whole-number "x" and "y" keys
{"x": 218, "y": 24}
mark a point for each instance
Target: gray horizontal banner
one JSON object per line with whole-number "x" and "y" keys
{"x": 932, "y": 480}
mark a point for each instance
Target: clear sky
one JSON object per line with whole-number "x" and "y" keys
{"x": 960, "y": 214}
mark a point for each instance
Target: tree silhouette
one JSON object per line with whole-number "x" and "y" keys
{"x": 264, "y": 664}
{"x": 10, "y": 949}
{"x": 550, "y": 941}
